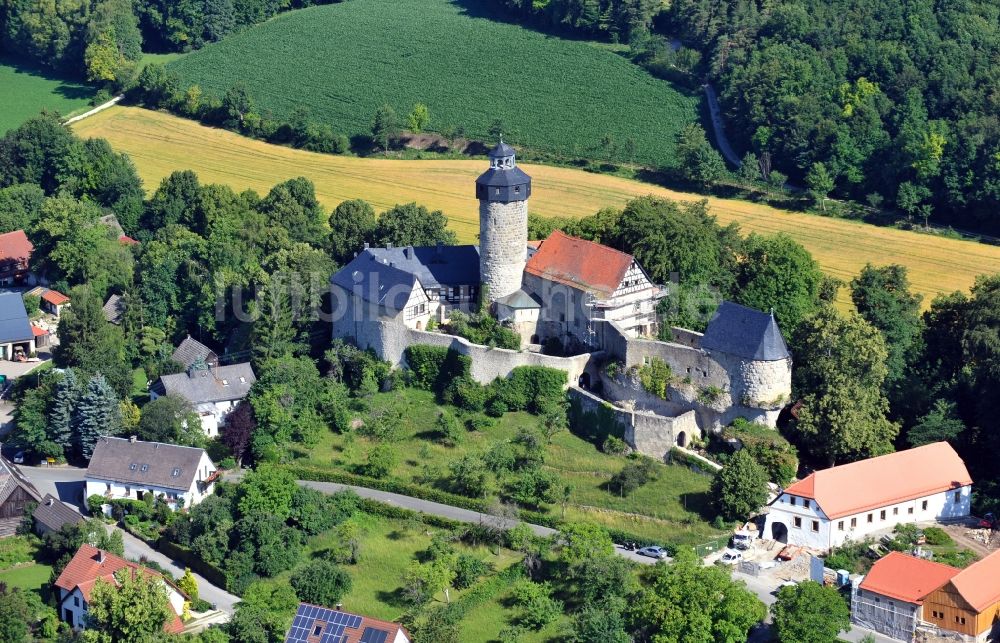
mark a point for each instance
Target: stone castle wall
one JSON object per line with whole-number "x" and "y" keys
{"x": 648, "y": 433}
{"x": 503, "y": 242}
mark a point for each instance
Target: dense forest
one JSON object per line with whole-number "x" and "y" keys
{"x": 103, "y": 39}
{"x": 896, "y": 101}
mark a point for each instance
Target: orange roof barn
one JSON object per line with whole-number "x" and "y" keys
{"x": 906, "y": 578}
{"x": 889, "y": 479}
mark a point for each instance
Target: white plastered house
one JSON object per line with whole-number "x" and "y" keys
{"x": 213, "y": 391}
{"x": 858, "y": 500}
{"x": 90, "y": 566}
{"x": 128, "y": 468}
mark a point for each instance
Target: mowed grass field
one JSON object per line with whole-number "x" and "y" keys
{"x": 160, "y": 143}
{"x": 343, "y": 61}
{"x": 25, "y": 91}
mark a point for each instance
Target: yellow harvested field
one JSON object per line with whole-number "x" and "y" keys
{"x": 160, "y": 143}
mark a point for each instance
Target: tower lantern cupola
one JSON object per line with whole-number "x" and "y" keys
{"x": 503, "y": 192}
{"x": 504, "y": 181}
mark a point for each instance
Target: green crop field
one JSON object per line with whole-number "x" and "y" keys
{"x": 343, "y": 61}
{"x": 25, "y": 91}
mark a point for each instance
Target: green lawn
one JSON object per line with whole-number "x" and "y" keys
{"x": 345, "y": 60}
{"x": 671, "y": 508}
{"x": 33, "y": 577}
{"x": 484, "y": 623}
{"x": 387, "y": 548}
{"x": 26, "y": 90}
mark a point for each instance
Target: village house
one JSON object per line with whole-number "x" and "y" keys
{"x": 52, "y": 515}
{"x": 909, "y": 598}
{"x": 17, "y": 335}
{"x": 114, "y": 309}
{"x": 50, "y": 301}
{"x": 316, "y": 624}
{"x": 16, "y": 492}
{"x": 213, "y": 391}
{"x": 128, "y": 468}
{"x": 15, "y": 258}
{"x": 89, "y": 566}
{"x": 190, "y": 352}
{"x": 855, "y": 501}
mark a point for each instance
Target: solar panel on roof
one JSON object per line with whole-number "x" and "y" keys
{"x": 373, "y": 635}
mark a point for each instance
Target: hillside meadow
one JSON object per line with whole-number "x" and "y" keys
{"x": 25, "y": 91}
{"x": 160, "y": 143}
{"x": 345, "y": 60}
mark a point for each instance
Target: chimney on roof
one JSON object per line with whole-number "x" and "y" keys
{"x": 340, "y": 607}
{"x": 366, "y": 245}
{"x": 49, "y": 501}
{"x": 132, "y": 439}
{"x": 389, "y": 246}
{"x": 100, "y": 556}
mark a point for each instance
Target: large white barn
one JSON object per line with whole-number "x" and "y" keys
{"x": 854, "y": 501}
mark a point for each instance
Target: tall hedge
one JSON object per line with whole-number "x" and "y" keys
{"x": 435, "y": 367}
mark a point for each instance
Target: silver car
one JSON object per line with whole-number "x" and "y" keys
{"x": 654, "y": 552}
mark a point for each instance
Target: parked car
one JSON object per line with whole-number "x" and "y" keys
{"x": 988, "y": 522}
{"x": 654, "y": 552}
{"x": 19, "y": 457}
{"x": 731, "y": 557}
{"x": 742, "y": 540}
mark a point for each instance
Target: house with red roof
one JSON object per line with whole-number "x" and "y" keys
{"x": 90, "y": 566}
{"x": 15, "y": 257}
{"x": 909, "y": 598}
{"x": 580, "y": 281}
{"x": 890, "y": 598}
{"x": 318, "y": 624}
{"x": 968, "y": 605}
{"x": 857, "y": 500}
{"x": 51, "y": 301}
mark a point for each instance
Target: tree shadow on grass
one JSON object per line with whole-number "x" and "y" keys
{"x": 394, "y": 598}
{"x": 699, "y": 502}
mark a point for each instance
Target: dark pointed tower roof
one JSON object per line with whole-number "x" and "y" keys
{"x": 504, "y": 181}
{"x": 745, "y": 332}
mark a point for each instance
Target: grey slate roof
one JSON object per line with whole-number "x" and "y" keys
{"x": 495, "y": 177}
{"x": 215, "y": 384}
{"x": 53, "y": 513}
{"x": 435, "y": 266}
{"x": 501, "y": 149}
{"x": 519, "y": 300}
{"x": 376, "y": 280}
{"x": 114, "y": 308}
{"x": 745, "y": 332}
{"x": 191, "y": 351}
{"x": 14, "y": 325}
{"x": 113, "y": 459}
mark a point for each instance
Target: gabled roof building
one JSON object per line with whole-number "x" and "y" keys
{"x": 213, "y": 391}
{"x": 16, "y": 493}
{"x": 52, "y": 514}
{"x": 15, "y": 257}
{"x": 128, "y": 468}
{"x": 852, "y": 501}
{"x": 16, "y": 336}
{"x": 91, "y": 565}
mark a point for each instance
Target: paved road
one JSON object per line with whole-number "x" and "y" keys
{"x": 719, "y": 126}
{"x": 136, "y": 549}
{"x": 66, "y": 483}
{"x": 63, "y": 482}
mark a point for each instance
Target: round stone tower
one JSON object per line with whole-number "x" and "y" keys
{"x": 503, "y": 192}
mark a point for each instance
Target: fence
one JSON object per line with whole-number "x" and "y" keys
{"x": 705, "y": 549}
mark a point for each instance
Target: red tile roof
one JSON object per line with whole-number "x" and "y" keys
{"x": 86, "y": 568}
{"x": 579, "y": 263}
{"x": 979, "y": 583}
{"x": 15, "y": 245}
{"x": 55, "y": 297}
{"x": 38, "y": 332}
{"x": 127, "y": 240}
{"x": 906, "y": 577}
{"x": 309, "y": 615}
{"x": 885, "y": 480}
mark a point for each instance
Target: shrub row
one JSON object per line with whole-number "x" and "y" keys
{"x": 182, "y": 554}
{"x": 485, "y": 591}
{"x": 416, "y": 491}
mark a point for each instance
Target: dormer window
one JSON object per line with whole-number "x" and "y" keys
{"x": 144, "y": 468}
{"x": 225, "y": 382}
{"x": 176, "y": 472}
{"x": 133, "y": 466}
{"x": 243, "y": 380}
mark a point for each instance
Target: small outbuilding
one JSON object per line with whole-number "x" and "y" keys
{"x": 52, "y": 514}
{"x": 16, "y": 337}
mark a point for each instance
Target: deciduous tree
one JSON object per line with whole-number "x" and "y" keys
{"x": 810, "y": 613}
{"x": 740, "y": 489}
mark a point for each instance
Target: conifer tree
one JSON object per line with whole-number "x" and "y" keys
{"x": 97, "y": 414}
{"x": 67, "y": 395}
